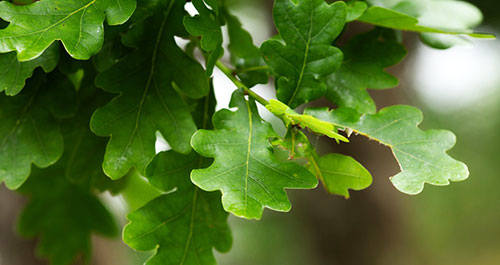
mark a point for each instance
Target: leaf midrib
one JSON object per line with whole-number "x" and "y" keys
{"x": 304, "y": 62}
{"x": 149, "y": 80}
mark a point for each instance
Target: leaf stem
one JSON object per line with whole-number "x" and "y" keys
{"x": 229, "y": 73}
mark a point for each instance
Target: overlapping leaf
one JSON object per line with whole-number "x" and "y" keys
{"x": 84, "y": 151}
{"x": 245, "y": 170}
{"x": 29, "y": 133}
{"x": 365, "y": 57}
{"x": 13, "y": 73}
{"x": 149, "y": 99}
{"x": 308, "y": 28}
{"x": 63, "y": 216}
{"x": 421, "y": 154}
{"x": 78, "y": 24}
{"x": 184, "y": 225}
{"x": 430, "y": 17}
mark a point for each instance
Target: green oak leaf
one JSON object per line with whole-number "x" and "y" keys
{"x": 437, "y": 20}
{"x": 308, "y": 28}
{"x": 78, "y": 24}
{"x": 365, "y": 58}
{"x": 245, "y": 170}
{"x": 304, "y": 121}
{"x": 339, "y": 173}
{"x": 83, "y": 150}
{"x": 149, "y": 100}
{"x": 29, "y": 133}
{"x": 421, "y": 154}
{"x": 355, "y": 9}
{"x": 60, "y": 210}
{"x": 245, "y": 56}
{"x": 207, "y": 26}
{"x": 13, "y": 74}
{"x": 184, "y": 225}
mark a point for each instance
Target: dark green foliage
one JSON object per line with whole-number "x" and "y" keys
{"x": 70, "y": 129}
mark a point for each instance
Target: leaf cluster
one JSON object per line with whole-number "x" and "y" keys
{"x": 88, "y": 88}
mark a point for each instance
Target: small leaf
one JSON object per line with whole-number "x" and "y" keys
{"x": 421, "y": 154}
{"x": 365, "y": 58}
{"x": 245, "y": 170}
{"x": 13, "y": 73}
{"x": 304, "y": 121}
{"x": 78, "y": 24}
{"x": 339, "y": 173}
{"x": 206, "y": 25}
{"x": 149, "y": 100}
{"x": 308, "y": 29}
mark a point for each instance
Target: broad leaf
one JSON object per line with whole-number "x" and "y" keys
{"x": 63, "y": 216}
{"x": 339, "y": 173}
{"x": 365, "y": 58}
{"x": 245, "y": 170}
{"x": 13, "y": 74}
{"x": 149, "y": 99}
{"x": 430, "y": 17}
{"x": 184, "y": 225}
{"x": 78, "y": 24}
{"x": 308, "y": 28}
{"x": 29, "y": 132}
{"x": 245, "y": 56}
{"x": 421, "y": 154}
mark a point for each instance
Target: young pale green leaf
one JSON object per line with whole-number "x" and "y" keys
{"x": 245, "y": 169}
{"x": 365, "y": 58}
{"x": 305, "y": 121}
{"x": 421, "y": 154}
{"x": 29, "y": 132}
{"x": 149, "y": 100}
{"x": 245, "y": 56}
{"x": 431, "y": 17}
{"x": 78, "y": 24}
{"x": 63, "y": 216}
{"x": 308, "y": 28}
{"x": 13, "y": 73}
{"x": 339, "y": 173}
{"x": 184, "y": 225}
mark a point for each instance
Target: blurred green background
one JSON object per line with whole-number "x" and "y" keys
{"x": 458, "y": 89}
